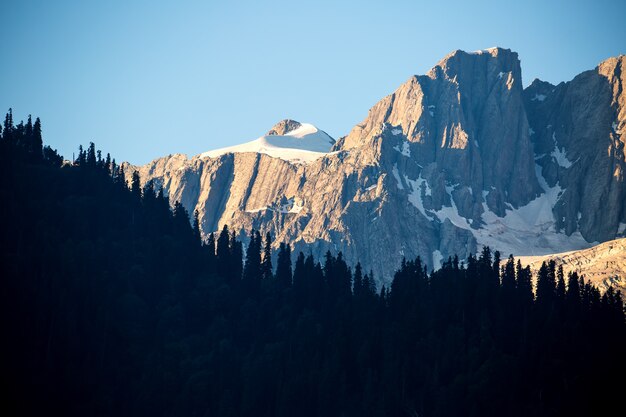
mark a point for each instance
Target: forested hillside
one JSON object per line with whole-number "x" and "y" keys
{"x": 112, "y": 305}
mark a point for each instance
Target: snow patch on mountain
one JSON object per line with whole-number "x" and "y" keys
{"x": 256, "y": 210}
{"x": 531, "y": 229}
{"x": 451, "y": 213}
{"x": 559, "y": 155}
{"x": 527, "y": 230}
{"x": 437, "y": 259}
{"x": 484, "y": 51}
{"x": 286, "y": 206}
{"x": 396, "y": 175}
{"x": 304, "y": 144}
{"x": 415, "y": 196}
{"x": 406, "y": 150}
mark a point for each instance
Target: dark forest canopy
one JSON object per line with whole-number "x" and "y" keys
{"x": 113, "y": 305}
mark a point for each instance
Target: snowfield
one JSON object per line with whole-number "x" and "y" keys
{"x": 304, "y": 144}
{"x": 525, "y": 231}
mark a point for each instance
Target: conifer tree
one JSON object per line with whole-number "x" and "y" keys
{"x": 236, "y": 257}
{"x": 299, "y": 273}
{"x": 210, "y": 245}
{"x": 344, "y": 275}
{"x": 283, "y": 266}
{"x": 545, "y": 285}
{"x": 113, "y": 170}
{"x": 120, "y": 177}
{"x": 485, "y": 256}
{"x": 28, "y": 128}
{"x": 301, "y": 281}
{"x": 37, "y": 139}
{"x": 266, "y": 263}
{"x": 28, "y": 136}
{"x": 383, "y": 296}
{"x": 196, "y": 227}
{"x": 328, "y": 265}
{"x": 358, "y": 280}
{"x": 107, "y": 165}
{"x": 560, "y": 284}
{"x": 369, "y": 283}
{"x": 81, "y": 156}
{"x": 19, "y": 137}
{"x": 313, "y": 282}
{"x": 508, "y": 277}
{"x": 149, "y": 195}
{"x": 489, "y": 276}
{"x": 91, "y": 155}
{"x": 7, "y": 135}
{"x": 573, "y": 290}
{"x": 223, "y": 252}
{"x": 51, "y": 156}
{"x": 337, "y": 276}
{"x": 524, "y": 284}
{"x": 181, "y": 216}
{"x": 585, "y": 296}
{"x": 472, "y": 266}
{"x": 135, "y": 187}
{"x": 252, "y": 266}
{"x": 496, "y": 263}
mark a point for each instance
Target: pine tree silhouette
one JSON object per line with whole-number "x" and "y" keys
{"x": 283, "y": 266}
{"x": 266, "y": 263}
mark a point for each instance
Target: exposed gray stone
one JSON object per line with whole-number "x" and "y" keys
{"x": 579, "y": 140}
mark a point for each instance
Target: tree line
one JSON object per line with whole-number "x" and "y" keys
{"x": 114, "y": 304}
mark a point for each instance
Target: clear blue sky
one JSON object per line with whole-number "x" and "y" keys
{"x": 144, "y": 79}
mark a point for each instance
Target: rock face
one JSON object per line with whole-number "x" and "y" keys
{"x": 283, "y": 127}
{"x": 457, "y": 158}
{"x": 603, "y": 265}
{"x": 578, "y": 132}
{"x": 466, "y": 118}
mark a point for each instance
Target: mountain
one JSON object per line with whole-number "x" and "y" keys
{"x": 461, "y": 157}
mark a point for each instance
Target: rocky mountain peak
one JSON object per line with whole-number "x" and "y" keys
{"x": 485, "y": 64}
{"x": 466, "y": 117}
{"x": 540, "y": 89}
{"x": 614, "y": 71}
{"x": 449, "y": 98}
{"x": 612, "y": 65}
{"x": 283, "y": 127}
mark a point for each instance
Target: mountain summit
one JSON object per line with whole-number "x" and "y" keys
{"x": 464, "y": 120}
{"x": 454, "y": 159}
{"x": 288, "y": 140}
{"x": 283, "y": 127}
